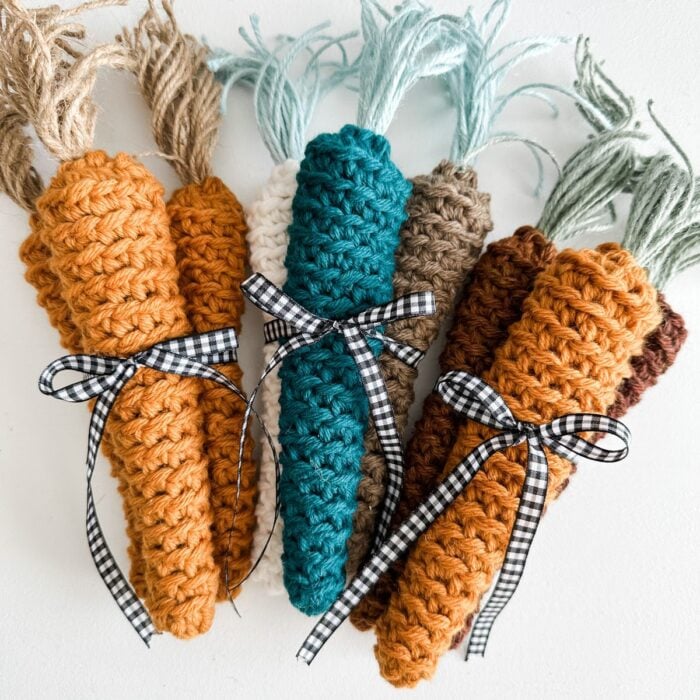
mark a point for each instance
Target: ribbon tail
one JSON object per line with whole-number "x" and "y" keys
{"x": 398, "y": 543}
{"x": 527, "y": 519}
{"x": 102, "y": 556}
{"x": 382, "y": 411}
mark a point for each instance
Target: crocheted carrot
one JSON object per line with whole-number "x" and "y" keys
{"x": 21, "y": 182}
{"x": 103, "y": 224}
{"x": 346, "y": 215}
{"x": 284, "y": 104}
{"x": 209, "y": 229}
{"x": 492, "y": 299}
{"x": 588, "y": 315}
{"x": 442, "y": 237}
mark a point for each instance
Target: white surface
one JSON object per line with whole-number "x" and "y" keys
{"x": 608, "y": 607}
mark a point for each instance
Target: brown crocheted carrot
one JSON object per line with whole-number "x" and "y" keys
{"x": 209, "y": 229}
{"x": 492, "y": 300}
{"x": 589, "y": 315}
{"x": 103, "y": 225}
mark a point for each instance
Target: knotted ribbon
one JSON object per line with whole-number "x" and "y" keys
{"x": 475, "y": 399}
{"x": 298, "y": 327}
{"x": 189, "y": 357}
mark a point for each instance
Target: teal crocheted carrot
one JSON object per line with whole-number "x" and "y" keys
{"x": 346, "y": 215}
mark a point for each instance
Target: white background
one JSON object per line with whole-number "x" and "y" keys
{"x": 608, "y": 607}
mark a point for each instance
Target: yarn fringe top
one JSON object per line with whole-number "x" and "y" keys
{"x": 47, "y": 80}
{"x": 179, "y": 88}
{"x": 414, "y": 43}
{"x": 284, "y": 103}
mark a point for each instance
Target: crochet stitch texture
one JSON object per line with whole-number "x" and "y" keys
{"x": 37, "y": 257}
{"x": 347, "y": 212}
{"x": 105, "y": 224}
{"x": 209, "y": 229}
{"x": 586, "y": 317}
{"x": 492, "y": 300}
{"x": 448, "y": 219}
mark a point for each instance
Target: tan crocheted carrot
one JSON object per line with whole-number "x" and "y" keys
{"x": 209, "y": 229}
{"x": 442, "y": 237}
{"x": 589, "y": 315}
{"x": 103, "y": 226}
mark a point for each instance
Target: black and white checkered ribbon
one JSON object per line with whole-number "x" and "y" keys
{"x": 475, "y": 399}
{"x": 299, "y": 328}
{"x": 189, "y": 357}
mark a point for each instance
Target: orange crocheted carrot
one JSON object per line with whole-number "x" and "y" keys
{"x": 208, "y": 226}
{"x": 586, "y": 317}
{"x": 107, "y": 229}
{"x": 20, "y": 181}
{"x": 104, "y": 225}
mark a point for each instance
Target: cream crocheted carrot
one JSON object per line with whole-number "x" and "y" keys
{"x": 284, "y": 105}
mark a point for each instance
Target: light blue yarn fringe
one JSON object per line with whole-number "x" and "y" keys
{"x": 284, "y": 103}
{"x": 473, "y": 88}
{"x": 414, "y": 43}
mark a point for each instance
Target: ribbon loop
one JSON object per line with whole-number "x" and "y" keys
{"x": 475, "y": 399}
{"x": 188, "y": 356}
{"x": 298, "y": 328}
{"x": 102, "y": 374}
{"x": 273, "y": 301}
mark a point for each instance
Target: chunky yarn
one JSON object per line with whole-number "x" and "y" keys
{"x": 448, "y": 219}
{"x": 106, "y": 227}
{"x": 268, "y": 220}
{"x": 347, "y": 213}
{"x": 209, "y": 228}
{"x": 491, "y": 301}
{"x": 36, "y": 256}
{"x": 586, "y": 317}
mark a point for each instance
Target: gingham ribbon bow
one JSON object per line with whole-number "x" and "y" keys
{"x": 107, "y": 376}
{"x": 477, "y": 400}
{"x": 300, "y": 328}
